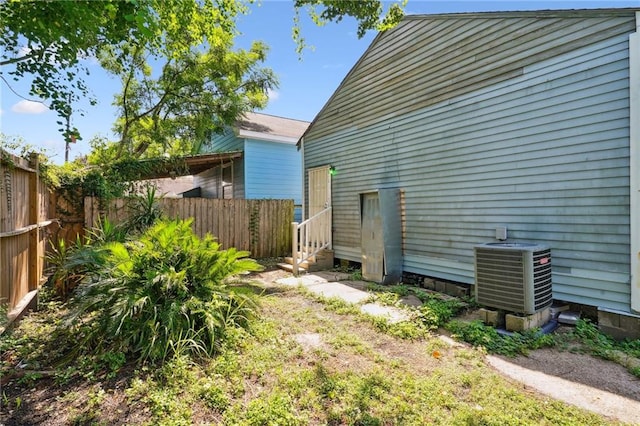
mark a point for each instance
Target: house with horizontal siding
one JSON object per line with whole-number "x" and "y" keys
{"x": 269, "y": 165}
{"x": 467, "y": 125}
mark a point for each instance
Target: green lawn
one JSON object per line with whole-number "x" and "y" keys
{"x": 304, "y": 362}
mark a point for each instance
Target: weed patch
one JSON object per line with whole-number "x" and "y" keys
{"x": 603, "y": 346}
{"x": 478, "y": 334}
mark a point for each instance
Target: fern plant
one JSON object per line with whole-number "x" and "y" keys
{"x": 167, "y": 292}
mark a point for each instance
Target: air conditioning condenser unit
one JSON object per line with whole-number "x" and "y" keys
{"x": 515, "y": 277}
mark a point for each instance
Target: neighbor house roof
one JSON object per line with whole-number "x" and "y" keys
{"x": 269, "y": 127}
{"x": 194, "y": 164}
{"x": 546, "y": 13}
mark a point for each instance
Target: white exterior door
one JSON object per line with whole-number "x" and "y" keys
{"x": 319, "y": 200}
{"x": 319, "y": 190}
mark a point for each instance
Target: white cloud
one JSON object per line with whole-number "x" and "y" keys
{"x": 29, "y": 107}
{"x": 51, "y": 143}
{"x": 24, "y": 50}
{"x": 273, "y": 95}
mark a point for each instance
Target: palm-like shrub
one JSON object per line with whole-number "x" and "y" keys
{"x": 167, "y": 292}
{"x": 144, "y": 210}
{"x": 68, "y": 265}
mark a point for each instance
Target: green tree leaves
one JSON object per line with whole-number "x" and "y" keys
{"x": 192, "y": 96}
{"x": 47, "y": 40}
{"x": 182, "y": 78}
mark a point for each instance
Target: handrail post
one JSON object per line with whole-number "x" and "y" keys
{"x": 294, "y": 247}
{"x": 329, "y": 229}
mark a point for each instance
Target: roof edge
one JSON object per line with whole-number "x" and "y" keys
{"x": 547, "y": 13}
{"x": 250, "y": 134}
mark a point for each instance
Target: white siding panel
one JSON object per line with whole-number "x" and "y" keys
{"x": 446, "y": 57}
{"x": 545, "y": 154}
{"x": 446, "y": 269}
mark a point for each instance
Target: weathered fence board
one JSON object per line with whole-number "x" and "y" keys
{"x": 25, "y": 209}
{"x": 261, "y": 227}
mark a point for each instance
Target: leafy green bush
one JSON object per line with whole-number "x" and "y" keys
{"x": 166, "y": 293}
{"x": 70, "y": 264}
{"x": 106, "y": 231}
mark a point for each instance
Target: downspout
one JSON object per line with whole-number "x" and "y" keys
{"x": 634, "y": 162}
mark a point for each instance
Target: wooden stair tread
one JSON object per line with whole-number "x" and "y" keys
{"x": 289, "y": 268}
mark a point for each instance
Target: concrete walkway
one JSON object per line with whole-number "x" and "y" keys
{"x": 336, "y": 284}
{"x": 319, "y": 284}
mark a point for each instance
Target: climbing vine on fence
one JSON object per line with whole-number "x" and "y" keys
{"x": 109, "y": 181}
{"x": 254, "y": 224}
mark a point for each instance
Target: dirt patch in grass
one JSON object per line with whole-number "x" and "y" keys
{"x": 582, "y": 368}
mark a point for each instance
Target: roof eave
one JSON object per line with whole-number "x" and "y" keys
{"x": 249, "y": 134}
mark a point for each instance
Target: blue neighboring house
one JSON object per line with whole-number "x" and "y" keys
{"x": 265, "y": 163}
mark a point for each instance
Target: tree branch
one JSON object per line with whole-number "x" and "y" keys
{"x": 125, "y": 109}
{"x": 19, "y": 95}
{"x": 29, "y": 55}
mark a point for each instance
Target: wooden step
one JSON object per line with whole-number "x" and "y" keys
{"x": 304, "y": 264}
{"x": 289, "y": 267}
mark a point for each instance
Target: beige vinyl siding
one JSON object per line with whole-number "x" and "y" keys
{"x": 544, "y": 152}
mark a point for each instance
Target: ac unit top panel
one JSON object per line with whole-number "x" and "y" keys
{"x": 513, "y": 246}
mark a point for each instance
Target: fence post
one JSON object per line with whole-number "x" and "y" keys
{"x": 294, "y": 247}
{"x": 34, "y": 207}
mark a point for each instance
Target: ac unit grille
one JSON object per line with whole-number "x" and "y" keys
{"x": 516, "y": 280}
{"x": 542, "y": 294}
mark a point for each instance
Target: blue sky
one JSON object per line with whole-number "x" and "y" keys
{"x": 305, "y": 85}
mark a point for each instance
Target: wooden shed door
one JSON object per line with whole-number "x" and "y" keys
{"x": 372, "y": 238}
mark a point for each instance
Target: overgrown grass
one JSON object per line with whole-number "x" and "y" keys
{"x": 478, "y": 334}
{"x": 364, "y": 371}
{"x": 437, "y": 312}
{"x": 603, "y": 346}
{"x": 265, "y": 377}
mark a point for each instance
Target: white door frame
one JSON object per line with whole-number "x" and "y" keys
{"x": 634, "y": 160}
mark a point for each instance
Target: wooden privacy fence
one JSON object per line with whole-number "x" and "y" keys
{"x": 24, "y": 213}
{"x": 262, "y": 227}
